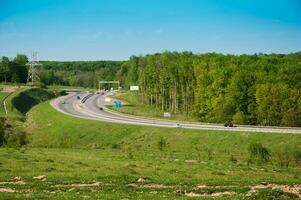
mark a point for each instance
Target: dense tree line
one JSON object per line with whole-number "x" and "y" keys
{"x": 78, "y": 73}
{"x": 247, "y": 89}
{"x": 14, "y": 71}
{"x": 73, "y": 73}
{"x": 255, "y": 89}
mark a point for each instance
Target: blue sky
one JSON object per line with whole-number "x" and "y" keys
{"x": 117, "y": 29}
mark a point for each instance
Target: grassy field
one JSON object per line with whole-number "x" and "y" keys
{"x": 90, "y": 159}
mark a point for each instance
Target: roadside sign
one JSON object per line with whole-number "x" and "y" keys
{"x": 134, "y": 88}
{"x": 117, "y": 104}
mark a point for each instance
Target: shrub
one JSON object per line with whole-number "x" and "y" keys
{"x": 11, "y": 137}
{"x": 15, "y": 139}
{"x": 258, "y": 153}
{"x": 162, "y": 143}
{"x": 62, "y": 93}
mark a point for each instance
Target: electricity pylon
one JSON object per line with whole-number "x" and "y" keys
{"x": 33, "y": 75}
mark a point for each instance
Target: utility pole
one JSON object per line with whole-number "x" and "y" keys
{"x": 33, "y": 75}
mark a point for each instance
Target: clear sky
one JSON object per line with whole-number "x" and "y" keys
{"x": 117, "y": 29}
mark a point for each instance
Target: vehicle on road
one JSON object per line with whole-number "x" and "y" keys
{"x": 228, "y": 124}
{"x": 101, "y": 108}
{"x": 178, "y": 126}
{"x": 78, "y": 97}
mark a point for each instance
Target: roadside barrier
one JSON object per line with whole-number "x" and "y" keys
{"x": 86, "y": 98}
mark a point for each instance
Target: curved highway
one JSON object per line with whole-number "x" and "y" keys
{"x": 88, "y": 107}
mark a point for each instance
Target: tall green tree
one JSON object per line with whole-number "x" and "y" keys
{"x": 4, "y": 68}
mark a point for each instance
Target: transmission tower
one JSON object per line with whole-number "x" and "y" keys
{"x": 33, "y": 75}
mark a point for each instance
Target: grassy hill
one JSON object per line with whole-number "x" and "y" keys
{"x": 69, "y": 158}
{"x": 83, "y": 158}
{"x": 25, "y": 100}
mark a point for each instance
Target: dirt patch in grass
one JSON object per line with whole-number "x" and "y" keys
{"x": 16, "y": 181}
{"x": 9, "y": 88}
{"x": 8, "y": 190}
{"x": 154, "y": 186}
{"x": 215, "y": 194}
{"x": 79, "y": 185}
{"x": 294, "y": 189}
{"x": 40, "y": 178}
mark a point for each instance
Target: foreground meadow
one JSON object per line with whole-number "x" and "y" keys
{"x": 70, "y": 158}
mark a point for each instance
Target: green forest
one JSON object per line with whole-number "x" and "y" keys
{"x": 259, "y": 89}
{"x": 247, "y": 89}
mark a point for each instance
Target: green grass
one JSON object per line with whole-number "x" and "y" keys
{"x": 70, "y": 150}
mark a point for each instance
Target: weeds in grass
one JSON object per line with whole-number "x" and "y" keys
{"x": 162, "y": 143}
{"x": 130, "y": 155}
{"x": 233, "y": 159}
{"x": 209, "y": 153}
{"x": 258, "y": 153}
{"x": 115, "y": 146}
{"x": 11, "y": 137}
{"x": 288, "y": 155}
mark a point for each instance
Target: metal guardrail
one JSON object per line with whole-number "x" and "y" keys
{"x": 86, "y": 98}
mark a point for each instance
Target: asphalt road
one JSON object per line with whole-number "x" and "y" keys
{"x": 90, "y": 109}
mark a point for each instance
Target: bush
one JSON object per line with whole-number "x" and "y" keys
{"x": 11, "y": 137}
{"x": 62, "y": 93}
{"x": 258, "y": 153}
{"x": 15, "y": 139}
{"x": 162, "y": 143}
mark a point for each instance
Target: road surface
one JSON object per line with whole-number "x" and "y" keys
{"x": 90, "y": 109}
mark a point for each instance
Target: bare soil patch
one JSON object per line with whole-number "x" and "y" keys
{"x": 9, "y": 190}
{"x": 294, "y": 189}
{"x": 79, "y": 185}
{"x": 215, "y": 194}
{"x": 17, "y": 181}
{"x": 40, "y": 178}
{"x": 154, "y": 186}
{"x": 8, "y": 88}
